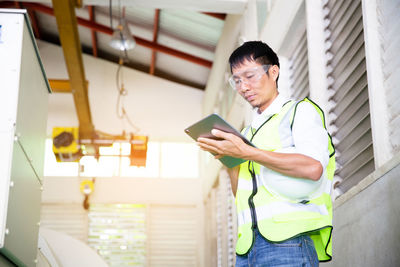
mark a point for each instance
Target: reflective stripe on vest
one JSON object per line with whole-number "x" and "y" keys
{"x": 278, "y": 208}
{"x": 277, "y": 218}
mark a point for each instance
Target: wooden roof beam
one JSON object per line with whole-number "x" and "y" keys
{"x": 94, "y": 37}
{"x": 7, "y": 4}
{"x": 17, "y": 5}
{"x": 155, "y": 36}
{"x": 216, "y": 15}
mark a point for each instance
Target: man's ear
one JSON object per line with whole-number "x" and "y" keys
{"x": 274, "y": 71}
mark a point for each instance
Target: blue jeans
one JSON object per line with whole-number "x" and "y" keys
{"x": 298, "y": 251}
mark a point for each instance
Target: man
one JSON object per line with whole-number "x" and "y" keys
{"x": 283, "y": 189}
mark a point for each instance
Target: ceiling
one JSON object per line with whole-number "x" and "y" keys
{"x": 176, "y": 40}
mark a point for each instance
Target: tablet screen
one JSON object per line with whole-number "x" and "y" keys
{"x": 203, "y": 128}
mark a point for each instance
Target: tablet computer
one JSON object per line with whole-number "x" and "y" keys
{"x": 203, "y": 128}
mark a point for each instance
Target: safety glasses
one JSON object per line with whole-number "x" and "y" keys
{"x": 250, "y": 76}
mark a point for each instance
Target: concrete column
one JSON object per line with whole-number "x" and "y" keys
{"x": 376, "y": 90}
{"x": 226, "y": 44}
{"x": 317, "y": 58}
{"x": 249, "y": 31}
{"x": 278, "y": 22}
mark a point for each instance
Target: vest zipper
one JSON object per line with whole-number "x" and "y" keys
{"x": 251, "y": 203}
{"x": 254, "y": 181}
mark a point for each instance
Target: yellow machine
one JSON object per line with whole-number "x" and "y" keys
{"x": 138, "y": 150}
{"x": 65, "y": 144}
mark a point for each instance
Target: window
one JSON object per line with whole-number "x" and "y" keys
{"x": 177, "y": 160}
{"x": 118, "y": 233}
{"x": 152, "y": 168}
{"x": 164, "y": 160}
{"x": 144, "y": 235}
{"x": 54, "y": 168}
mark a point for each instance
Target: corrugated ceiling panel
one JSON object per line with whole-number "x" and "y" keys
{"x": 185, "y": 31}
{"x": 139, "y": 55}
{"x": 140, "y": 20}
{"x": 182, "y": 69}
{"x": 193, "y": 26}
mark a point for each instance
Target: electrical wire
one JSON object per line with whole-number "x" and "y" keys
{"x": 120, "y": 107}
{"x": 123, "y": 57}
{"x": 119, "y": 11}
{"x": 126, "y": 55}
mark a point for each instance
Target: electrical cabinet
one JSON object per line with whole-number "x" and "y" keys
{"x": 24, "y": 93}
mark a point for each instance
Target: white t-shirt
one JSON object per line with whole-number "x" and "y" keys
{"x": 308, "y": 137}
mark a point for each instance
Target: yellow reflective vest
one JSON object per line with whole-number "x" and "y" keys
{"x": 279, "y": 218}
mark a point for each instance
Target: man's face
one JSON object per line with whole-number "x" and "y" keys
{"x": 254, "y": 85}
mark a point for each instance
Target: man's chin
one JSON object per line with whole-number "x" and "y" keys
{"x": 254, "y": 105}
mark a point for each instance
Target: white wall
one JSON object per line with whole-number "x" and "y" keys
{"x": 366, "y": 220}
{"x": 124, "y": 190}
{"x": 160, "y": 108}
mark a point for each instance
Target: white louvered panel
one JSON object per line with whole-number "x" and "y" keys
{"x": 118, "y": 233}
{"x": 211, "y": 229}
{"x": 299, "y": 83}
{"x": 225, "y": 231}
{"x": 71, "y": 219}
{"x": 230, "y": 227}
{"x": 350, "y": 110}
{"x": 389, "y": 16}
{"x": 220, "y": 221}
{"x": 173, "y": 238}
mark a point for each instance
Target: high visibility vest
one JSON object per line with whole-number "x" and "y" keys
{"x": 278, "y": 218}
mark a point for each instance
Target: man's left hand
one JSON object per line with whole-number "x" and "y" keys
{"x": 230, "y": 145}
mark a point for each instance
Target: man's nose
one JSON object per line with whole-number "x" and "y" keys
{"x": 244, "y": 86}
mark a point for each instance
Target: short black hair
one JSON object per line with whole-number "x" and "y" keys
{"x": 254, "y": 51}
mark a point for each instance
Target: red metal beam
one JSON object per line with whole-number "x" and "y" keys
{"x": 35, "y": 23}
{"x": 32, "y": 16}
{"x": 216, "y": 15}
{"x": 17, "y": 5}
{"x": 155, "y": 35}
{"x": 7, "y": 4}
{"x": 104, "y": 29}
{"x": 94, "y": 37}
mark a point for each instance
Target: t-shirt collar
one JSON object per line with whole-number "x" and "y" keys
{"x": 272, "y": 109}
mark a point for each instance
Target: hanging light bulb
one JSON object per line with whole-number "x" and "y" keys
{"x": 122, "y": 38}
